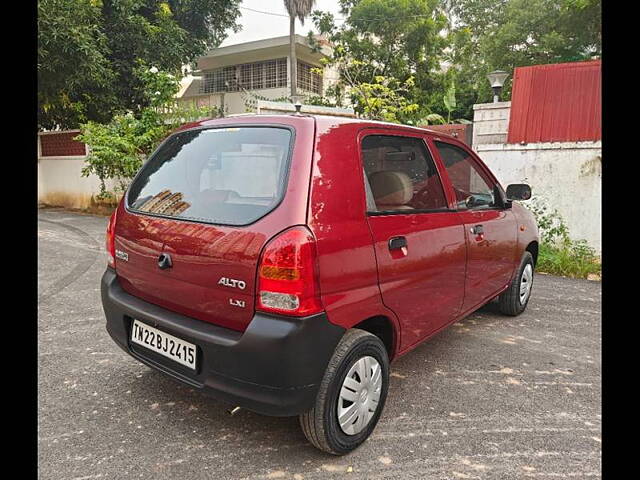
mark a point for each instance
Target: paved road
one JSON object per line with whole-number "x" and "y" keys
{"x": 492, "y": 397}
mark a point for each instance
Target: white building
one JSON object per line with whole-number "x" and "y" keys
{"x": 237, "y": 76}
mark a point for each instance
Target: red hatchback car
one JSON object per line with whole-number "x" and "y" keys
{"x": 280, "y": 262}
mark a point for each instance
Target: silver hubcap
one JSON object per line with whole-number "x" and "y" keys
{"x": 359, "y": 395}
{"x": 525, "y": 283}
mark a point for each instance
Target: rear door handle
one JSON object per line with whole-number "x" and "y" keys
{"x": 397, "y": 242}
{"x": 477, "y": 230}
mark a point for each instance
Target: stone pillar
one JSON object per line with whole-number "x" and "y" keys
{"x": 490, "y": 123}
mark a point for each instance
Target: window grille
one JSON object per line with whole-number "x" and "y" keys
{"x": 220, "y": 80}
{"x": 250, "y": 76}
{"x": 309, "y": 80}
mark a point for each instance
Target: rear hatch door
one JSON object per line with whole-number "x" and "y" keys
{"x": 205, "y": 199}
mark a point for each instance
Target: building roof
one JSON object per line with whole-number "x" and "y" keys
{"x": 268, "y": 48}
{"x": 559, "y": 102}
{"x": 260, "y": 44}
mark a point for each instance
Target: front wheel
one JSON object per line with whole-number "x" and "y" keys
{"x": 351, "y": 396}
{"x": 514, "y": 299}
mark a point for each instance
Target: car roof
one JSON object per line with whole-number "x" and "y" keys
{"x": 325, "y": 121}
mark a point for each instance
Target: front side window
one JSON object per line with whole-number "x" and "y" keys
{"x": 400, "y": 175}
{"x": 472, "y": 187}
{"x": 230, "y": 176}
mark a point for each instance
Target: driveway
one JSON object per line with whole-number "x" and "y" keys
{"x": 492, "y": 397}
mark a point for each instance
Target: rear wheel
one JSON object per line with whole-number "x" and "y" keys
{"x": 514, "y": 299}
{"x": 351, "y": 396}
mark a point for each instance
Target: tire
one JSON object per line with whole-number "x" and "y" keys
{"x": 510, "y": 301}
{"x": 320, "y": 424}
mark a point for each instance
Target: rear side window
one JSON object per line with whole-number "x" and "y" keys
{"x": 230, "y": 176}
{"x": 400, "y": 175}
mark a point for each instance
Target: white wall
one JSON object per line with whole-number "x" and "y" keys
{"x": 234, "y": 102}
{"x": 567, "y": 174}
{"x": 279, "y": 108}
{"x": 61, "y": 183}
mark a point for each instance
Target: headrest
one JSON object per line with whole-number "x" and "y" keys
{"x": 214, "y": 196}
{"x": 391, "y": 188}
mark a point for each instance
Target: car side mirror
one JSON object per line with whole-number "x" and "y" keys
{"x": 518, "y": 191}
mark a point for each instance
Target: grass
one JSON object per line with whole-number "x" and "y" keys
{"x": 570, "y": 259}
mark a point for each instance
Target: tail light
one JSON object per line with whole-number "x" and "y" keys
{"x": 288, "y": 275}
{"x": 110, "y": 241}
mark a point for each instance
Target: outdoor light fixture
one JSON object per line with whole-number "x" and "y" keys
{"x": 496, "y": 79}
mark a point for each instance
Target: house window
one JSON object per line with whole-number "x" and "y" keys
{"x": 282, "y": 72}
{"x": 220, "y": 80}
{"x": 245, "y": 76}
{"x": 308, "y": 79}
{"x": 275, "y": 73}
{"x": 248, "y": 76}
{"x": 257, "y": 80}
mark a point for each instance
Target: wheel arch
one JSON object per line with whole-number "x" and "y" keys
{"x": 382, "y": 327}
{"x": 533, "y": 248}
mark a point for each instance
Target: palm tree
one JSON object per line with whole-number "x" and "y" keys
{"x": 299, "y": 9}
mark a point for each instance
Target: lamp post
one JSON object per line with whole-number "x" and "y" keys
{"x": 497, "y": 79}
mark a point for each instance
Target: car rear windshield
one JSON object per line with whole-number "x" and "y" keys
{"x": 230, "y": 176}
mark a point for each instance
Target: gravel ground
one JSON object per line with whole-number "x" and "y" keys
{"x": 492, "y": 397}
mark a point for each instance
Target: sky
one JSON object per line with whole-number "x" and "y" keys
{"x": 258, "y": 26}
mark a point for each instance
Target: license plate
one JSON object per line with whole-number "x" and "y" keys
{"x": 167, "y": 345}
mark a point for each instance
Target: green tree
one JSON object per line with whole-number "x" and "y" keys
{"x": 296, "y": 9}
{"x": 74, "y": 71}
{"x": 88, "y": 51}
{"x": 449, "y": 100}
{"x": 383, "y": 99}
{"x": 398, "y": 40}
{"x": 119, "y": 147}
{"x": 504, "y": 34}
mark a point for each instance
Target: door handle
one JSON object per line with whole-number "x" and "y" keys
{"x": 397, "y": 242}
{"x": 477, "y": 230}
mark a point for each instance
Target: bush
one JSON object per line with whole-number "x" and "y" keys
{"x": 559, "y": 254}
{"x": 574, "y": 259}
{"x": 119, "y": 148}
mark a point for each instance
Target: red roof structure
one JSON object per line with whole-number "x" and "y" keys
{"x": 559, "y": 102}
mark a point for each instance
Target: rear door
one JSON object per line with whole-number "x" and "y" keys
{"x": 490, "y": 229}
{"x": 204, "y": 200}
{"x": 419, "y": 242}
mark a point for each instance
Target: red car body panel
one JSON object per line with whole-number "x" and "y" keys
{"x": 443, "y": 274}
{"x": 424, "y": 283}
{"x": 346, "y": 256}
{"x": 492, "y": 257}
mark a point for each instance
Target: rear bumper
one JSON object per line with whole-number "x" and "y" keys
{"x": 274, "y": 367}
